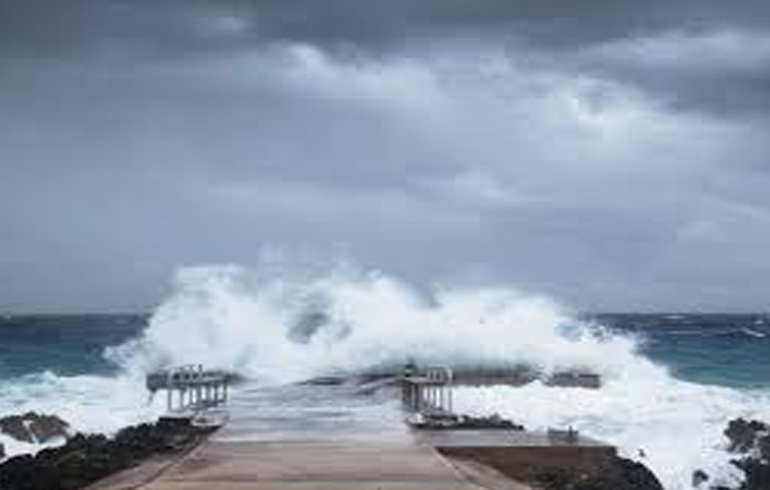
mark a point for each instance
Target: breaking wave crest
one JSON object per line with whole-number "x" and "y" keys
{"x": 284, "y": 328}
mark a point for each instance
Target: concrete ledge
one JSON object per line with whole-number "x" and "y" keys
{"x": 522, "y": 455}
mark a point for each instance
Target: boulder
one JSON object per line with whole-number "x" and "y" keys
{"x": 743, "y": 435}
{"x": 33, "y": 428}
{"x": 47, "y": 427}
{"x": 751, "y": 440}
{"x": 14, "y": 426}
{"x": 699, "y": 477}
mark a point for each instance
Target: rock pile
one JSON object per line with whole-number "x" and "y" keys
{"x": 34, "y": 428}
{"x": 85, "y": 459}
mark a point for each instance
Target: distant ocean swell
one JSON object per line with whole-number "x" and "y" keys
{"x": 718, "y": 333}
{"x": 283, "y": 327}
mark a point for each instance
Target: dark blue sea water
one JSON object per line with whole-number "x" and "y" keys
{"x": 729, "y": 350}
{"x": 63, "y": 344}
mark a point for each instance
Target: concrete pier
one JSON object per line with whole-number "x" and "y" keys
{"x": 312, "y": 438}
{"x": 345, "y": 434}
{"x": 190, "y": 388}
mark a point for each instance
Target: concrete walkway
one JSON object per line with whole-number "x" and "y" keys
{"x": 312, "y": 438}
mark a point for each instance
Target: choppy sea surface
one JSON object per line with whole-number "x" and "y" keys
{"x": 722, "y": 349}
{"x": 665, "y": 374}
{"x": 728, "y": 350}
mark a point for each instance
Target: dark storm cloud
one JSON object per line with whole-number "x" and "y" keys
{"x": 39, "y": 24}
{"x": 610, "y": 153}
{"x": 605, "y": 38}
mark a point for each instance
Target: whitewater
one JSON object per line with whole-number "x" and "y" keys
{"x": 277, "y": 328}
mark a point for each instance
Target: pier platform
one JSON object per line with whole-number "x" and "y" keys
{"x": 307, "y": 437}
{"x": 345, "y": 434}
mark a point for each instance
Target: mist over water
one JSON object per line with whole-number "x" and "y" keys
{"x": 278, "y": 326}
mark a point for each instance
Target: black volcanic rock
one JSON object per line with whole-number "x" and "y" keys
{"x": 33, "y": 428}
{"x": 744, "y": 435}
{"x": 763, "y": 446}
{"x": 47, "y": 427}
{"x": 13, "y": 426}
{"x": 751, "y": 440}
{"x": 757, "y": 474}
{"x": 85, "y": 459}
{"x": 699, "y": 477}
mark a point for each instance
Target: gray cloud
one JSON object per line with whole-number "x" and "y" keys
{"x": 37, "y": 23}
{"x": 611, "y": 155}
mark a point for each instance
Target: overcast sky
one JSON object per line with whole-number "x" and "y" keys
{"x": 611, "y": 154}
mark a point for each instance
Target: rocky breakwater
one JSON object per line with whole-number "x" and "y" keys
{"x": 84, "y": 459}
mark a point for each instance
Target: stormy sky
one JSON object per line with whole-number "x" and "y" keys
{"x": 611, "y": 154}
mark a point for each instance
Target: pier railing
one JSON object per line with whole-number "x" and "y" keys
{"x": 190, "y": 388}
{"x": 429, "y": 392}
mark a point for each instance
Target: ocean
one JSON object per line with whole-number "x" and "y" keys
{"x": 672, "y": 381}
{"x": 731, "y": 350}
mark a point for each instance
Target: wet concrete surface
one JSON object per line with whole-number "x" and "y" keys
{"x": 313, "y": 437}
